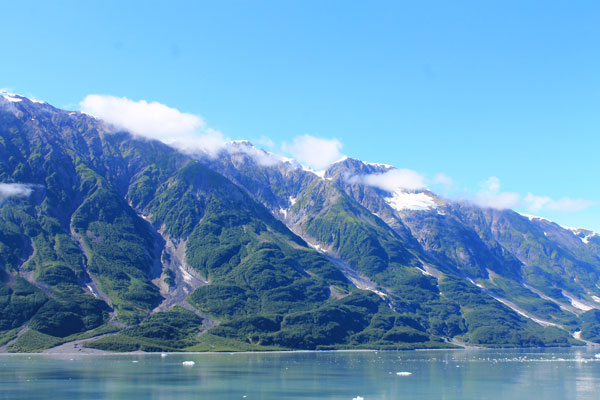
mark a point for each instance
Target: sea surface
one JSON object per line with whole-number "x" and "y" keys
{"x": 544, "y": 374}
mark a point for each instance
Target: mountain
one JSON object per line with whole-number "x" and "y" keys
{"x": 131, "y": 243}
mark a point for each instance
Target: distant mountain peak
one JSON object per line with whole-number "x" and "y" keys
{"x": 534, "y": 217}
{"x": 584, "y": 234}
{"x": 17, "y": 98}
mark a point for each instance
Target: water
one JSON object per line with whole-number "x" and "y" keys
{"x": 457, "y": 374}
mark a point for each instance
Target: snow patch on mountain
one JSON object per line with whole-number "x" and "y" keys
{"x": 316, "y": 247}
{"x": 583, "y": 234}
{"x": 534, "y": 217}
{"x": 479, "y": 285}
{"x": 379, "y": 165}
{"x": 320, "y": 174}
{"x": 13, "y": 98}
{"x": 576, "y": 303}
{"x": 402, "y": 201}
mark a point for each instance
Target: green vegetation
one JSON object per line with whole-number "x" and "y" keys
{"x": 590, "y": 326}
{"x": 491, "y": 323}
{"x": 7, "y": 336}
{"x": 18, "y": 303}
{"x": 531, "y": 302}
{"x": 33, "y": 341}
{"x": 268, "y": 290}
{"x": 120, "y": 247}
{"x": 173, "y": 330}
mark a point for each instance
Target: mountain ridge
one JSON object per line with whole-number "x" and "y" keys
{"x": 177, "y": 251}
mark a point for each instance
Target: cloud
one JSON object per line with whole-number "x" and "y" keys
{"x": 443, "y": 179}
{"x": 190, "y": 134}
{"x": 154, "y": 120}
{"x": 491, "y": 184}
{"x": 500, "y": 201}
{"x": 490, "y": 196}
{"x": 14, "y": 189}
{"x": 260, "y": 156}
{"x": 265, "y": 142}
{"x": 536, "y": 203}
{"x": 392, "y": 180}
{"x": 444, "y": 183}
{"x": 566, "y": 204}
{"x": 314, "y": 152}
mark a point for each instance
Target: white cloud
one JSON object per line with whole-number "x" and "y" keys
{"x": 154, "y": 120}
{"x": 443, "y": 179}
{"x": 314, "y": 152}
{"x": 491, "y": 184}
{"x": 536, "y": 203}
{"x": 392, "y": 180}
{"x": 260, "y": 156}
{"x": 490, "y": 196}
{"x": 566, "y": 204}
{"x": 266, "y": 142}
{"x": 500, "y": 201}
{"x": 14, "y": 189}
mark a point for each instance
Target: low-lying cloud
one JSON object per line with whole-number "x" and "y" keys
{"x": 190, "y": 134}
{"x": 15, "y": 190}
{"x": 153, "y": 120}
{"x": 566, "y": 204}
{"x": 314, "y": 152}
{"x": 260, "y": 156}
{"x": 391, "y": 180}
{"x": 490, "y": 196}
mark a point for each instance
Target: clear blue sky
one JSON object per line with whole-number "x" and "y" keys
{"x": 473, "y": 89}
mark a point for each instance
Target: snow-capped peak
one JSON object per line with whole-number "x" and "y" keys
{"x": 242, "y": 142}
{"x": 534, "y": 217}
{"x": 13, "y": 98}
{"x": 583, "y": 234}
{"x": 344, "y": 158}
{"x": 17, "y": 98}
{"x": 320, "y": 174}
{"x": 379, "y": 165}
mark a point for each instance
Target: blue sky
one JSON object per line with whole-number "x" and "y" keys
{"x": 503, "y": 97}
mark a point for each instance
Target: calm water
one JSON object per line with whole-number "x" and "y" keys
{"x": 459, "y": 374}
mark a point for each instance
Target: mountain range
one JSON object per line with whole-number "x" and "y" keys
{"x": 131, "y": 244}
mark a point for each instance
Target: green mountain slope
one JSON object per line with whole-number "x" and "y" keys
{"x": 103, "y": 233}
{"x": 119, "y": 231}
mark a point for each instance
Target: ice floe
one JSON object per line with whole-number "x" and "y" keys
{"x": 188, "y": 363}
